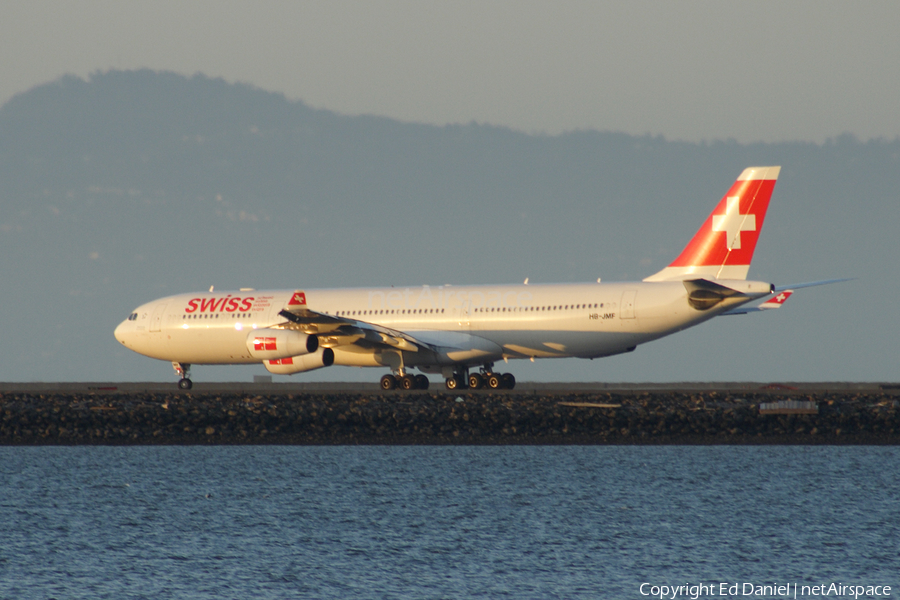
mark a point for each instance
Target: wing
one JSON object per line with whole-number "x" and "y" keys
{"x": 340, "y": 331}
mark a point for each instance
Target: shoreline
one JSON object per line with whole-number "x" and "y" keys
{"x": 670, "y": 414}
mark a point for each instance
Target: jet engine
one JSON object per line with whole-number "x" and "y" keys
{"x": 273, "y": 344}
{"x": 323, "y": 357}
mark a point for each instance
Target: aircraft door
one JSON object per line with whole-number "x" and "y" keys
{"x": 463, "y": 315}
{"x": 626, "y": 309}
{"x": 156, "y": 317}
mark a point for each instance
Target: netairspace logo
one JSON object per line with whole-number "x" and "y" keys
{"x": 773, "y": 590}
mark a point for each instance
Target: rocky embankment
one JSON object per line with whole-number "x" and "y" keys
{"x": 656, "y": 417}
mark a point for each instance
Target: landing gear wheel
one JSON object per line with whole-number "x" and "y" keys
{"x": 493, "y": 381}
{"x": 183, "y": 370}
{"x": 454, "y": 382}
{"x": 422, "y": 382}
{"x": 388, "y": 382}
{"x": 476, "y": 381}
{"x": 407, "y": 382}
{"x": 508, "y": 381}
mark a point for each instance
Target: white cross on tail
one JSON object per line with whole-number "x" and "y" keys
{"x": 733, "y": 223}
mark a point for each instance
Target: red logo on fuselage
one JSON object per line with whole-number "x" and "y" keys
{"x": 227, "y": 304}
{"x": 298, "y": 299}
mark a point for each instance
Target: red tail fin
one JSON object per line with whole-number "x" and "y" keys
{"x": 724, "y": 245}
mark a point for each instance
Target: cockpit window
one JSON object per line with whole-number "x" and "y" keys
{"x": 132, "y": 317}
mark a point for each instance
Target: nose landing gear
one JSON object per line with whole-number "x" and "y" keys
{"x": 183, "y": 370}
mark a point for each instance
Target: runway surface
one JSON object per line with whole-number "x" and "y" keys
{"x": 267, "y": 387}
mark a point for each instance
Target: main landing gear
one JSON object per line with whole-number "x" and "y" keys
{"x": 404, "y": 382}
{"x": 459, "y": 379}
{"x": 485, "y": 378}
{"x": 184, "y": 371}
{"x": 494, "y": 381}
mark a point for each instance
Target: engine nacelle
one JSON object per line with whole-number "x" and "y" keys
{"x": 273, "y": 344}
{"x": 323, "y": 357}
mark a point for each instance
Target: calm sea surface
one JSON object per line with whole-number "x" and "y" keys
{"x": 265, "y": 522}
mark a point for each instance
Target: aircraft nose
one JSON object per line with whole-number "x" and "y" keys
{"x": 121, "y": 331}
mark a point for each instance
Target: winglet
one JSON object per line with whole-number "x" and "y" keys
{"x": 724, "y": 245}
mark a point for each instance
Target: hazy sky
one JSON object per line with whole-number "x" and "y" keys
{"x": 758, "y": 71}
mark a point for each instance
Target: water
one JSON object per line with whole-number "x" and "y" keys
{"x": 441, "y": 522}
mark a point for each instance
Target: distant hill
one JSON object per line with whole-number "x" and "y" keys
{"x": 135, "y": 184}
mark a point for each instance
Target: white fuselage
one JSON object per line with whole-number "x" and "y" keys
{"x": 462, "y": 325}
{"x": 448, "y": 329}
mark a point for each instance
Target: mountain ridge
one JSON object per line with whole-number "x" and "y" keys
{"x": 134, "y": 184}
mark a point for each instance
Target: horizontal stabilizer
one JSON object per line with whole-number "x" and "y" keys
{"x": 797, "y": 286}
{"x": 776, "y": 301}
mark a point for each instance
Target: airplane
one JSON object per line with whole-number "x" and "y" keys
{"x": 452, "y": 331}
